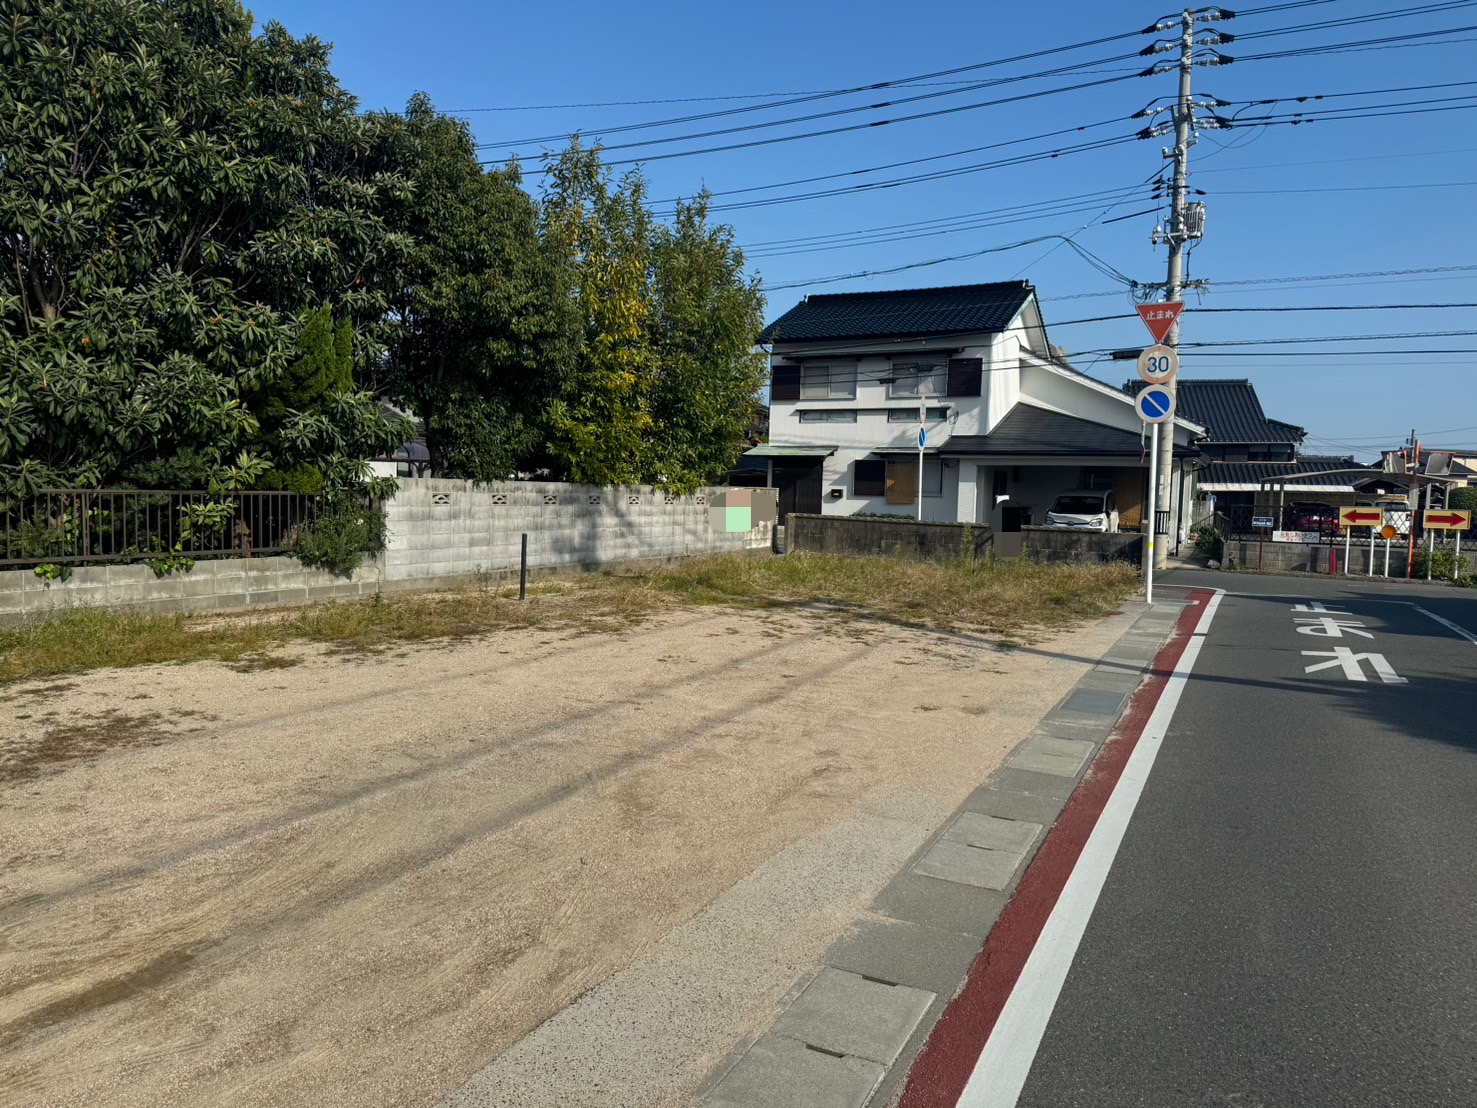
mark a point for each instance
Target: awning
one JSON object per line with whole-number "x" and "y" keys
{"x": 773, "y": 450}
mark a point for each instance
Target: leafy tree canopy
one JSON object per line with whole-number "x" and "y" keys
{"x": 185, "y": 205}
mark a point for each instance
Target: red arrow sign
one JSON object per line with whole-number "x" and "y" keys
{"x": 1353, "y": 515}
{"x": 1159, "y": 318}
{"x": 1446, "y": 520}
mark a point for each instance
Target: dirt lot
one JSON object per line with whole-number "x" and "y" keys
{"x": 357, "y": 879}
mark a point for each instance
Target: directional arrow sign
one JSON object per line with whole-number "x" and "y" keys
{"x": 1449, "y": 519}
{"x": 1360, "y": 517}
{"x": 1159, "y": 318}
{"x": 1154, "y": 403}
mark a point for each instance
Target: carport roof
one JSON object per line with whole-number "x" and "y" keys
{"x": 1028, "y": 430}
{"x": 1249, "y": 476}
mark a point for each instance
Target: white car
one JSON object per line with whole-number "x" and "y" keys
{"x": 1089, "y": 509}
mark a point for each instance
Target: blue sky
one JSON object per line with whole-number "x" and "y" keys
{"x": 1353, "y": 194}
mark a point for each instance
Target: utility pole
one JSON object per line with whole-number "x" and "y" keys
{"x": 1186, "y": 222}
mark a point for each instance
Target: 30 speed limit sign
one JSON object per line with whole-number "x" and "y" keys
{"x": 1158, "y": 364}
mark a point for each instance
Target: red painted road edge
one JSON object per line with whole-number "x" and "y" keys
{"x": 948, "y": 1058}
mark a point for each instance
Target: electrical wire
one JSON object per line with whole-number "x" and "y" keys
{"x": 934, "y": 114}
{"x": 809, "y": 98}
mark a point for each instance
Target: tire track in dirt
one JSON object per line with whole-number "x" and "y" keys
{"x": 328, "y": 867}
{"x": 442, "y": 767}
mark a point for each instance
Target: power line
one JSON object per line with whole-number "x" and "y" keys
{"x": 895, "y": 83}
{"x": 935, "y": 114}
{"x": 1310, "y": 308}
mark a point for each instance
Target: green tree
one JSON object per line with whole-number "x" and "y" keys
{"x": 312, "y": 386}
{"x": 485, "y": 329}
{"x": 667, "y": 377}
{"x": 178, "y": 193}
{"x": 600, "y": 427}
{"x": 709, "y": 372}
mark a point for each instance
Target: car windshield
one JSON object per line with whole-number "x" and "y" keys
{"x": 1078, "y": 505}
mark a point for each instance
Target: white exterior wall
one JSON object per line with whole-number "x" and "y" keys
{"x": 836, "y": 473}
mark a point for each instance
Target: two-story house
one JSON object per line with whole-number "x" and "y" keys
{"x": 1007, "y": 425}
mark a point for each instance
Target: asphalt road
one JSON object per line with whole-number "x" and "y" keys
{"x": 1292, "y": 916}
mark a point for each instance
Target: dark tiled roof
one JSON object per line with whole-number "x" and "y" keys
{"x": 1229, "y": 409}
{"x": 954, "y": 310}
{"x": 1029, "y": 430}
{"x": 1250, "y": 473}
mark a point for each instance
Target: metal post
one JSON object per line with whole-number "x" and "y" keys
{"x": 1149, "y": 538}
{"x": 1430, "y": 552}
{"x": 922, "y": 422}
{"x": 1371, "y": 552}
{"x": 1456, "y": 569}
{"x": 1387, "y": 557}
{"x": 1348, "y": 546}
{"x": 523, "y": 571}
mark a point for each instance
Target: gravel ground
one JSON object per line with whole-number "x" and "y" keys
{"x": 360, "y": 879}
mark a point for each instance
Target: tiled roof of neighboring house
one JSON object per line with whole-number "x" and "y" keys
{"x": 954, "y": 310}
{"x": 1221, "y": 475}
{"x": 1029, "y": 430}
{"x": 1229, "y": 409}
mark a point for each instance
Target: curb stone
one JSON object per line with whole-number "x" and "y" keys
{"x": 849, "y": 1034}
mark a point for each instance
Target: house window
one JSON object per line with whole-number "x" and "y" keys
{"x": 917, "y": 379}
{"x": 902, "y": 479}
{"x": 869, "y": 478}
{"x": 828, "y": 382}
{"x": 824, "y": 415}
{"x": 910, "y": 415}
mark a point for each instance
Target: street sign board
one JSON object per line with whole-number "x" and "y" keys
{"x": 1262, "y": 522}
{"x": 1159, "y": 318}
{"x": 1448, "y": 519}
{"x": 1154, "y": 403}
{"x": 1296, "y": 536}
{"x": 1360, "y": 517}
{"x": 1158, "y": 364}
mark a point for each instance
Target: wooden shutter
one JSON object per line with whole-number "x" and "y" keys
{"x": 870, "y": 479}
{"x": 785, "y": 384}
{"x": 902, "y": 482}
{"x": 966, "y": 376}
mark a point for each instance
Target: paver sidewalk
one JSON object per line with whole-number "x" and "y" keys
{"x": 851, "y": 1033}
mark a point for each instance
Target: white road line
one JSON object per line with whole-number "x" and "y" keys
{"x": 1458, "y": 628}
{"x": 1000, "y": 1074}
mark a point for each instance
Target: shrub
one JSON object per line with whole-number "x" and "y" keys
{"x": 1208, "y": 541}
{"x": 338, "y": 539}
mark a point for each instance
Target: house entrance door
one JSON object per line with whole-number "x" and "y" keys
{"x": 799, "y": 485}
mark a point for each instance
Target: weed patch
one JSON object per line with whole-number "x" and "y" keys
{"x": 1009, "y": 599}
{"x": 86, "y": 737}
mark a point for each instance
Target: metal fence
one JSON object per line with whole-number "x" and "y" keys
{"x": 81, "y": 526}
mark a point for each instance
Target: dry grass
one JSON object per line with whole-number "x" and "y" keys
{"x": 1003, "y": 598}
{"x": 1007, "y": 598}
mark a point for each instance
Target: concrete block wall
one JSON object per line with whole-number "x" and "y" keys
{"x": 1064, "y": 544}
{"x": 442, "y": 533}
{"x": 1311, "y": 558}
{"x": 230, "y": 583}
{"x": 441, "y": 528}
{"x": 906, "y": 538}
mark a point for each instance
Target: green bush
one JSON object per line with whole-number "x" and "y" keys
{"x": 1208, "y": 541}
{"x": 1442, "y": 561}
{"x": 338, "y": 539}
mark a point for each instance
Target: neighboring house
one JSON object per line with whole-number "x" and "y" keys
{"x": 1009, "y": 426}
{"x": 1253, "y": 466}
